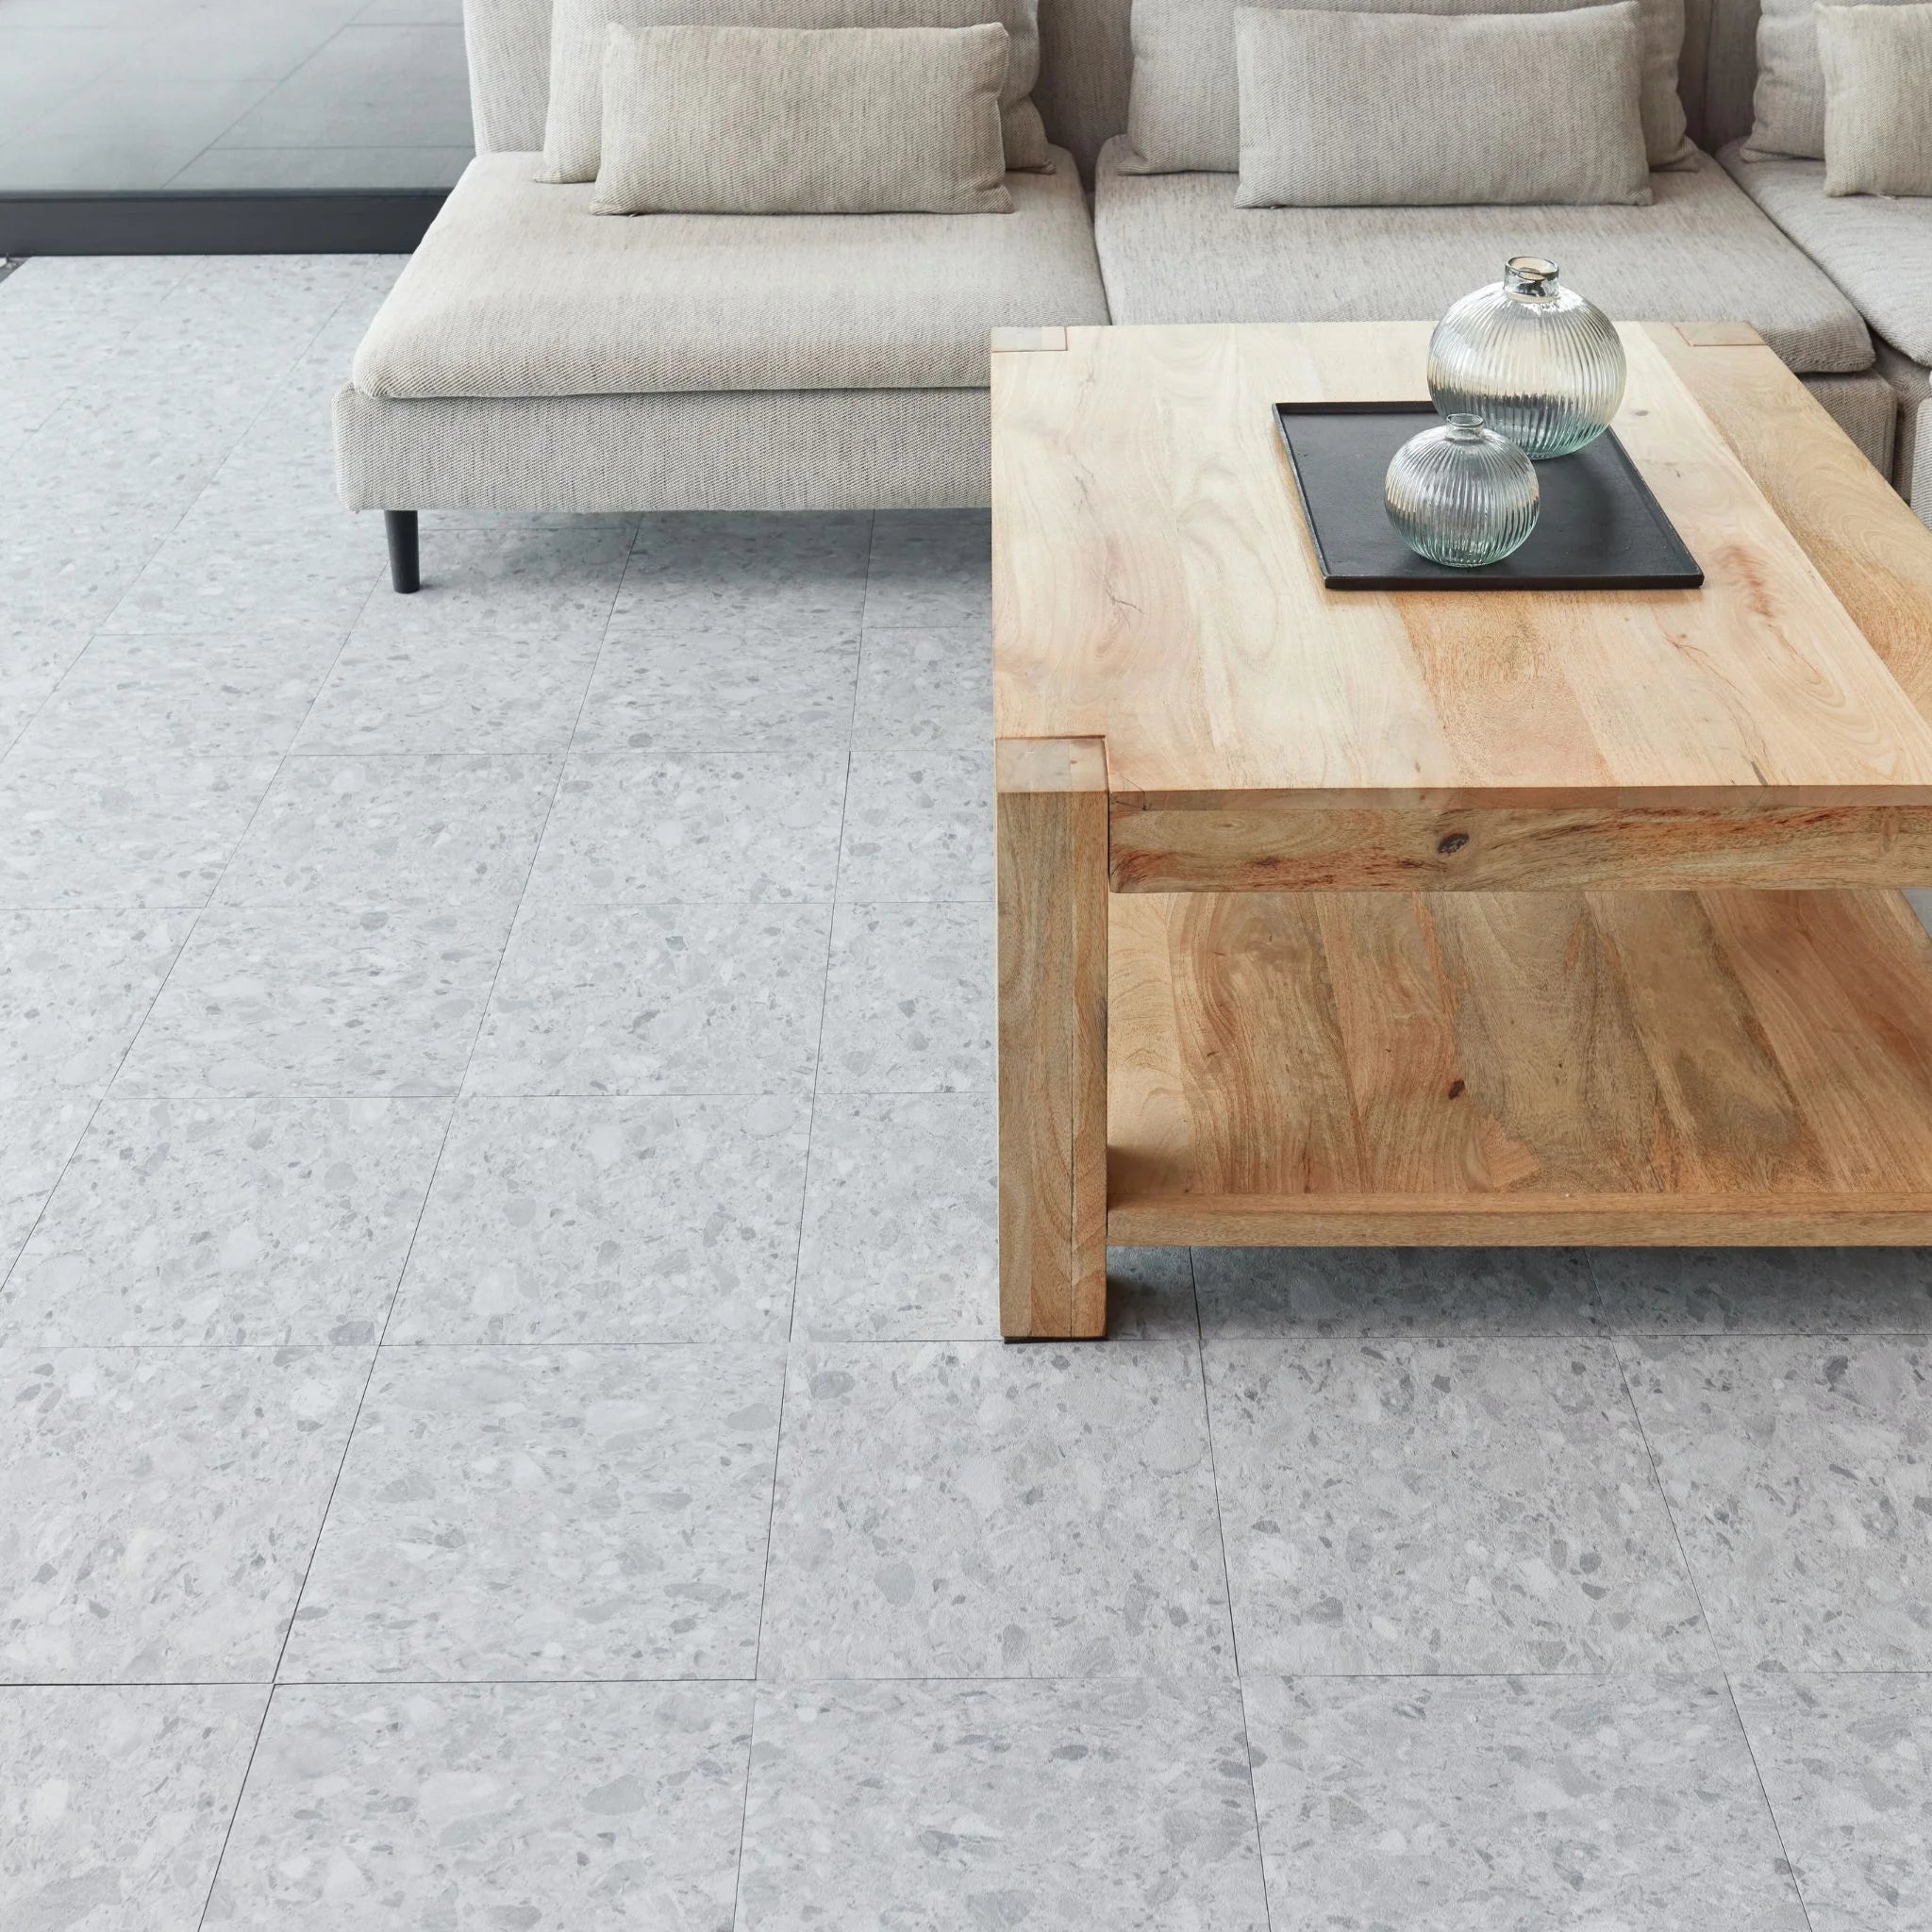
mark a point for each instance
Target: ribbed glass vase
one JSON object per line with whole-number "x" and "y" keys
{"x": 1460, "y": 494}
{"x": 1536, "y": 362}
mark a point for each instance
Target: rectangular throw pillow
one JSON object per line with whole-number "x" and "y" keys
{"x": 1182, "y": 107}
{"x": 576, "y": 115}
{"x": 765, "y": 121}
{"x": 1396, "y": 109}
{"x": 1877, "y": 65}
{"x": 1788, "y": 104}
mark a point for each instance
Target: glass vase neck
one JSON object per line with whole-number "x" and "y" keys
{"x": 1465, "y": 428}
{"x": 1530, "y": 276}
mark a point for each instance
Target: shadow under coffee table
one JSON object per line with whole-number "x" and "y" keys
{"x": 1455, "y": 917}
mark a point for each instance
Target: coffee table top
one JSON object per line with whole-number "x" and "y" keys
{"x": 1155, "y": 587}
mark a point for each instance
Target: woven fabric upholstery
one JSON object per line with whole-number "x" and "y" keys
{"x": 1176, "y": 248}
{"x": 1395, "y": 109}
{"x": 1879, "y": 252}
{"x": 1184, "y": 111}
{"x": 755, "y": 121}
{"x": 572, "y": 128}
{"x": 519, "y": 290}
{"x": 1787, "y": 103}
{"x": 1877, "y": 64}
{"x": 1911, "y": 386}
{"x": 760, "y": 449}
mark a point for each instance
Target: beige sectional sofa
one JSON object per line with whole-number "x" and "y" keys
{"x": 536, "y": 356}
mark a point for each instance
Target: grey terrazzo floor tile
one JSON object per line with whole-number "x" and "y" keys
{"x": 727, "y": 691}
{"x": 1051, "y": 1805}
{"x": 968, "y": 1510}
{"x": 1799, "y": 1476}
{"x": 1846, "y": 1760}
{"x": 253, "y": 1221}
{"x": 607, "y": 1221}
{"x": 75, "y": 987}
{"x": 545, "y": 1807}
{"x": 930, "y": 567}
{"x": 319, "y": 1001}
{"x": 31, "y": 665}
{"x": 161, "y": 1505}
{"x": 121, "y": 829}
{"x": 918, "y": 826}
{"x": 516, "y": 581}
{"x": 699, "y": 826}
{"x": 1512, "y": 1805}
{"x": 1765, "y": 1291}
{"x": 1440, "y": 1508}
{"x": 752, "y": 570}
{"x": 464, "y": 694}
{"x": 926, "y": 687}
{"x": 36, "y": 1136}
{"x": 71, "y": 554}
{"x": 232, "y": 569}
{"x": 541, "y": 1513}
{"x": 114, "y": 1801}
{"x": 656, "y": 999}
{"x": 1256, "y": 1293}
{"x": 910, "y": 1001}
{"x": 444, "y": 832}
{"x": 212, "y": 696}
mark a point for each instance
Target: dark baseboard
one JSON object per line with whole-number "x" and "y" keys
{"x": 387, "y": 220}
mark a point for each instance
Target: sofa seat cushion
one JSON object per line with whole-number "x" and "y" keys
{"x": 1176, "y": 248}
{"x": 1877, "y": 250}
{"x": 518, "y": 289}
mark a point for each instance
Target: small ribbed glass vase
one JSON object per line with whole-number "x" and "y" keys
{"x": 1536, "y": 362}
{"x": 1460, "y": 494}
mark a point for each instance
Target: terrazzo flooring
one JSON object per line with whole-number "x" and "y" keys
{"x": 503, "y": 1425}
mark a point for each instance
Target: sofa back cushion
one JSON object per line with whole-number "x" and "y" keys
{"x": 1877, "y": 65}
{"x": 1788, "y": 104}
{"x": 1184, "y": 113}
{"x": 577, "y": 41}
{"x": 789, "y": 120}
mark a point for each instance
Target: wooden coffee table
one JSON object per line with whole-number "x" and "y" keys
{"x": 1332, "y": 917}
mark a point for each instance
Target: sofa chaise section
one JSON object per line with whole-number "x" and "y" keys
{"x": 1176, "y": 248}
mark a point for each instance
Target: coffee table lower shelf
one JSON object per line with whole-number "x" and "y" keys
{"x": 1736, "y": 1068}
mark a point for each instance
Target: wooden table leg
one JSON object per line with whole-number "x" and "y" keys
{"x": 1051, "y": 843}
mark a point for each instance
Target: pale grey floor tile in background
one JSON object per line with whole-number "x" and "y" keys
{"x": 926, "y": 687}
{"x": 121, "y": 829}
{"x": 464, "y": 694}
{"x": 1765, "y": 1291}
{"x": 114, "y": 1802}
{"x": 966, "y": 1509}
{"x": 440, "y": 832}
{"x": 250, "y": 1221}
{"x": 1799, "y": 1476}
{"x": 1471, "y": 1804}
{"x": 532, "y": 1513}
{"x": 517, "y": 582}
{"x": 74, "y": 988}
{"x": 656, "y": 999}
{"x": 910, "y": 1001}
{"x": 215, "y": 695}
{"x": 161, "y": 1505}
{"x": 322, "y": 1000}
{"x": 608, "y": 1221}
{"x": 930, "y": 567}
{"x": 1443, "y": 1509}
{"x": 691, "y": 573}
{"x": 590, "y": 1807}
{"x": 695, "y": 827}
{"x": 1846, "y": 1760}
{"x": 918, "y": 826}
{"x": 37, "y": 1136}
{"x": 1049, "y": 1805}
{"x": 722, "y": 690}
{"x": 32, "y": 662}
{"x": 1256, "y": 1293}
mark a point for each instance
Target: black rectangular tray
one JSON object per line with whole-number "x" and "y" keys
{"x": 1598, "y": 528}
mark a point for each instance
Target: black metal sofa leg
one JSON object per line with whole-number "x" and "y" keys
{"x": 405, "y": 552}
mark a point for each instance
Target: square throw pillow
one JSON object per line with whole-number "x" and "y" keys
{"x": 1182, "y": 108}
{"x": 768, "y": 121}
{"x": 1877, "y": 64}
{"x": 576, "y": 116}
{"x": 1394, "y": 109}
{"x": 1788, "y": 104}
